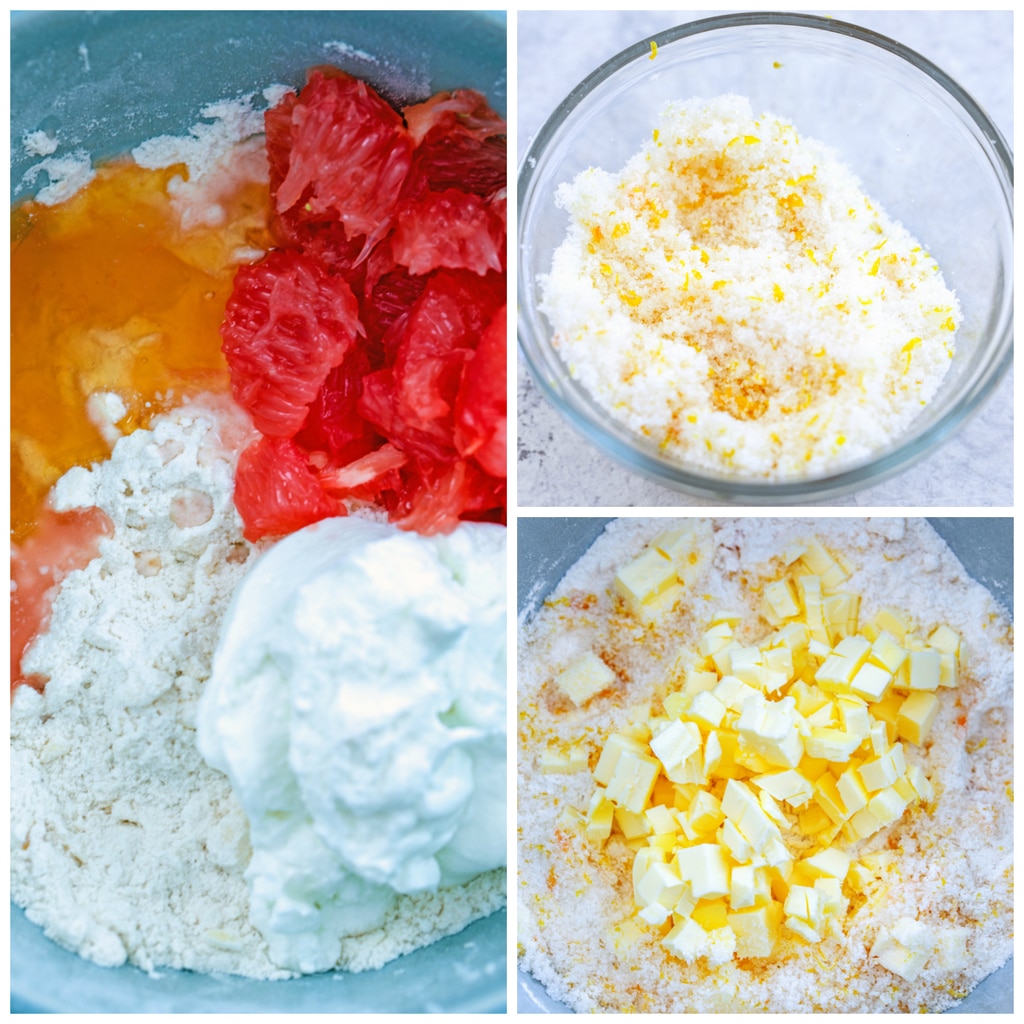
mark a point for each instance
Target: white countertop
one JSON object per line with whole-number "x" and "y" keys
{"x": 556, "y": 467}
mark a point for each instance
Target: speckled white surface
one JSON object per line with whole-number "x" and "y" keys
{"x": 556, "y": 467}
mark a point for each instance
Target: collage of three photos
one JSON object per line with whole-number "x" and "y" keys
{"x": 272, "y": 491}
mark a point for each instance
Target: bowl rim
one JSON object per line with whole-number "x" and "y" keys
{"x": 639, "y": 456}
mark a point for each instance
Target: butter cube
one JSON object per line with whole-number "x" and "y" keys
{"x": 632, "y": 781}
{"x": 735, "y": 842}
{"x": 660, "y": 883}
{"x": 781, "y": 599}
{"x": 584, "y": 678}
{"x": 743, "y": 808}
{"x": 894, "y": 956}
{"x": 645, "y": 578}
{"x": 885, "y": 770}
{"x": 945, "y": 639}
{"x": 698, "y": 681}
{"x": 756, "y": 930}
{"x": 816, "y": 558}
{"x": 787, "y": 785}
{"x": 741, "y": 887}
{"x": 714, "y": 639}
{"x": 688, "y": 547}
{"x": 769, "y": 727}
{"x": 614, "y": 748}
{"x": 733, "y": 692}
{"x": 925, "y": 669}
{"x": 853, "y": 713}
{"x": 705, "y": 813}
{"x": 706, "y": 867}
{"x": 674, "y": 745}
{"x": 655, "y": 914}
{"x": 853, "y": 791}
{"x": 833, "y": 903}
{"x": 706, "y": 710}
{"x": 871, "y": 682}
{"x": 554, "y": 761}
{"x": 687, "y": 940}
{"x": 599, "y": 818}
{"x": 887, "y": 651}
{"x": 892, "y": 620}
{"x": 830, "y": 863}
{"x": 632, "y": 826}
{"x": 712, "y": 754}
{"x": 920, "y": 782}
{"x": 711, "y": 916}
{"x": 887, "y": 805}
{"x": 948, "y": 675}
{"x": 831, "y": 744}
{"x": 916, "y": 717}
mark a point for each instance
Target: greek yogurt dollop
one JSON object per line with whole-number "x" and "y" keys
{"x": 357, "y": 704}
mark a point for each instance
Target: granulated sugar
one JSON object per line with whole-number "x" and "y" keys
{"x": 952, "y": 872}
{"x": 733, "y": 296}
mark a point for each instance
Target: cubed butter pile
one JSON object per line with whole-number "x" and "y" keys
{"x": 744, "y": 799}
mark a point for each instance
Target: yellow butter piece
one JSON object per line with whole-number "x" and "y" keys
{"x": 769, "y": 728}
{"x": 706, "y": 710}
{"x": 616, "y": 745}
{"x": 711, "y": 915}
{"x": 599, "y": 817}
{"x": 642, "y": 580}
{"x": 892, "y": 620}
{"x": 925, "y": 667}
{"x": 904, "y": 950}
{"x": 698, "y": 681}
{"x": 660, "y": 883}
{"x": 916, "y": 716}
{"x": 851, "y": 788}
{"x": 632, "y": 781}
{"x": 788, "y": 785}
{"x": 888, "y": 652}
{"x": 756, "y": 930}
{"x": 706, "y": 867}
{"x": 884, "y": 770}
{"x": 871, "y": 682}
{"x": 830, "y": 863}
{"x": 674, "y": 745}
{"x": 584, "y": 678}
{"x": 831, "y": 744}
{"x": 631, "y": 824}
{"x": 781, "y": 599}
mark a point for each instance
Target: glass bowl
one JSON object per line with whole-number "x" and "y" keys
{"x": 104, "y": 82}
{"x": 918, "y": 143}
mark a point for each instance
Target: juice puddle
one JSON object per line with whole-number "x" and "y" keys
{"x": 108, "y": 294}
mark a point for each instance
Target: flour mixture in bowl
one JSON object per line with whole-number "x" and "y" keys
{"x": 277, "y": 402}
{"x": 765, "y": 765}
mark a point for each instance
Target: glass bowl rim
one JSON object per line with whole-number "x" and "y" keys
{"x": 625, "y": 447}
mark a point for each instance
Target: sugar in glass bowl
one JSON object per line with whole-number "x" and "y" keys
{"x": 917, "y": 141}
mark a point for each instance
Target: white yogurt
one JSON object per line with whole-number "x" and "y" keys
{"x": 357, "y": 704}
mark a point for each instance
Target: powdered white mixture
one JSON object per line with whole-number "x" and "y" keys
{"x": 953, "y": 871}
{"x": 733, "y": 296}
{"x": 125, "y": 844}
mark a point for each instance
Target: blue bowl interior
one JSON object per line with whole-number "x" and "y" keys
{"x": 104, "y": 82}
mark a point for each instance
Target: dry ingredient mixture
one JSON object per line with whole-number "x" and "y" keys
{"x": 733, "y": 296}
{"x": 125, "y": 844}
{"x": 847, "y": 847}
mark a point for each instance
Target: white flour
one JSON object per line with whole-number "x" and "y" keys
{"x": 954, "y": 863}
